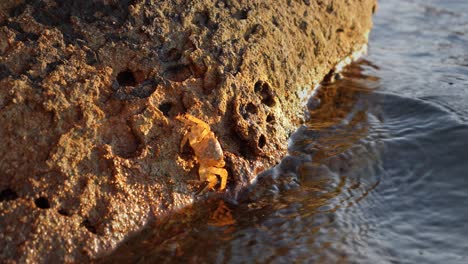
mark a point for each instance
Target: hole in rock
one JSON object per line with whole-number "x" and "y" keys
{"x": 89, "y": 226}
{"x": 178, "y": 73}
{"x": 165, "y": 108}
{"x": 251, "y": 108}
{"x": 261, "y": 141}
{"x": 241, "y": 14}
{"x": 42, "y": 203}
{"x": 126, "y": 78}
{"x": 201, "y": 18}
{"x": 8, "y": 195}
{"x": 258, "y": 86}
{"x": 122, "y": 139}
{"x": 270, "y": 118}
{"x": 64, "y": 212}
{"x": 171, "y": 55}
{"x": 245, "y": 148}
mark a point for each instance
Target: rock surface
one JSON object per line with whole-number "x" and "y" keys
{"x": 89, "y": 92}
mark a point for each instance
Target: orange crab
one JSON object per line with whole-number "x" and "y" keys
{"x": 207, "y": 150}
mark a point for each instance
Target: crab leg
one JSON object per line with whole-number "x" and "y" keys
{"x": 209, "y": 174}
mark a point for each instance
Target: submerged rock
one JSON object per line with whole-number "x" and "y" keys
{"x": 89, "y": 92}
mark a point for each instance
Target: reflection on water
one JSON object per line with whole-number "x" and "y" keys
{"x": 377, "y": 175}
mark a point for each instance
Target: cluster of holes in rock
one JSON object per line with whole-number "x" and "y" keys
{"x": 43, "y": 203}
{"x": 265, "y": 92}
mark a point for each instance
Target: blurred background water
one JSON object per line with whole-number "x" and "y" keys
{"x": 379, "y": 174}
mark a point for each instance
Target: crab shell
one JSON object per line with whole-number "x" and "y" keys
{"x": 208, "y": 151}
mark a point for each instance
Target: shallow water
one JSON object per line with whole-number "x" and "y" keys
{"x": 378, "y": 175}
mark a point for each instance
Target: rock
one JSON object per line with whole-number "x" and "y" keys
{"x": 89, "y": 91}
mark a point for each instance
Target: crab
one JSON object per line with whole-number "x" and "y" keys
{"x": 207, "y": 150}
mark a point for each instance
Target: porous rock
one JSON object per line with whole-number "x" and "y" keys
{"x": 89, "y": 92}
